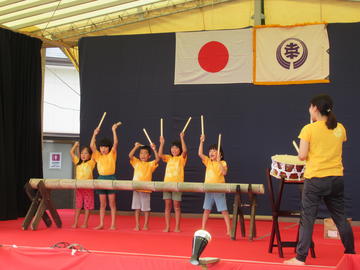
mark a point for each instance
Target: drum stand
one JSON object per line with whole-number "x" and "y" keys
{"x": 238, "y": 214}
{"x": 41, "y": 202}
{"x": 276, "y": 213}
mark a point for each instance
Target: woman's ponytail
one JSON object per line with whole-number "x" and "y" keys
{"x": 331, "y": 121}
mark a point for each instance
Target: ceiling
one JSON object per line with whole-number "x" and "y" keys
{"x": 64, "y": 22}
{"x": 61, "y": 23}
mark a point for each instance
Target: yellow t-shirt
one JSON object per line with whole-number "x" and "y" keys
{"x": 175, "y": 168}
{"x": 105, "y": 163}
{"x": 143, "y": 170}
{"x": 85, "y": 169}
{"x": 213, "y": 171}
{"x": 325, "y": 149}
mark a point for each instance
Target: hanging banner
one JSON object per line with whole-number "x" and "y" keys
{"x": 291, "y": 54}
{"x": 214, "y": 57}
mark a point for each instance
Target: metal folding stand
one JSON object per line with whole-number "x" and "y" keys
{"x": 277, "y": 212}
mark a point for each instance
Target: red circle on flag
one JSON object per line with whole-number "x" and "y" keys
{"x": 213, "y": 56}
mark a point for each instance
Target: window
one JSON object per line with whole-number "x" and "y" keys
{"x": 61, "y": 95}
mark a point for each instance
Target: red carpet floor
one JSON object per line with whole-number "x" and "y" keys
{"x": 154, "y": 242}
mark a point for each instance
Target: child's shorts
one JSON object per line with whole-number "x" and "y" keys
{"x": 84, "y": 197}
{"x": 106, "y": 191}
{"x": 141, "y": 200}
{"x": 218, "y": 198}
{"x": 175, "y": 196}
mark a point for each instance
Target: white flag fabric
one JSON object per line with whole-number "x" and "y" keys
{"x": 214, "y": 57}
{"x": 291, "y": 55}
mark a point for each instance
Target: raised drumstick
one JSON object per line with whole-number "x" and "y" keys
{"x": 219, "y": 145}
{"x": 202, "y": 125}
{"x": 187, "y": 123}
{"x": 102, "y": 119}
{"x": 161, "y": 127}
{"x": 296, "y": 147}
{"x": 147, "y": 136}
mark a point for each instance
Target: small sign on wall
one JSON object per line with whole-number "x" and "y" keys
{"x": 55, "y": 160}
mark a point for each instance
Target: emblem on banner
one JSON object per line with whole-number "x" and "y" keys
{"x": 291, "y": 52}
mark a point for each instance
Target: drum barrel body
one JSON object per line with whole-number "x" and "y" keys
{"x": 287, "y": 167}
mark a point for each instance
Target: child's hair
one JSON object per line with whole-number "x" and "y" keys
{"x": 215, "y": 147}
{"x": 146, "y": 147}
{"x": 82, "y": 149}
{"x": 178, "y": 145}
{"x": 105, "y": 142}
{"x": 325, "y": 105}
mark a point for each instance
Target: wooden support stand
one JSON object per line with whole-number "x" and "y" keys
{"x": 238, "y": 214}
{"x": 41, "y": 201}
{"x": 275, "y": 201}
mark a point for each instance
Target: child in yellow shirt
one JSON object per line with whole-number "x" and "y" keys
{"x": 143, "y": 170}
{"x": 174, "y": 173}
{"x": 216, "y": 169}
{"x": 106, "y": 162}
{"x": 84, "y": 170}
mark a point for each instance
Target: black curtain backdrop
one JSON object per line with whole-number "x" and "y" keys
{"x": 131, "y": 78}
{"x": 20, "y": 120}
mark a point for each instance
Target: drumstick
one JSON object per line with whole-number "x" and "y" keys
{"x": 187, "y": 123}
{"x": 161, "y": 127}
{"x": 219, "y": 145}
{"x": 102, "y": 119}
{"x": 147, "y": 136}
{"x": 296, "y": 147}
{"x": 202, "y": 125}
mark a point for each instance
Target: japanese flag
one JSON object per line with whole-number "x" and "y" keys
{"x": 214, "y": 57}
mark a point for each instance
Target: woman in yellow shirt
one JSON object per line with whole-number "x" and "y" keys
{"x": 321, "y": 146}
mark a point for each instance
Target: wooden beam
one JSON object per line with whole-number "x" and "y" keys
{"x": 153, "y": 185}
